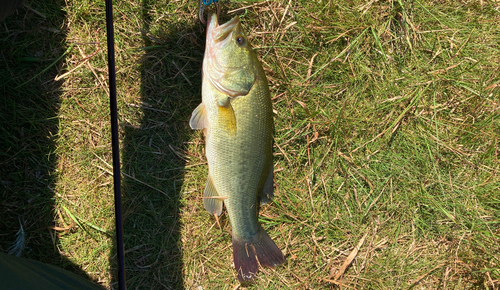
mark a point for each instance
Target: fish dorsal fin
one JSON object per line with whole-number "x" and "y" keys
{"x": 211, "y": 200}
{"x": 199, "y": 118}
{"x": 267, "y": 191}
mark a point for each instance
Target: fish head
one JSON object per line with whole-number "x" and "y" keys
{"x": 229, "y": 63}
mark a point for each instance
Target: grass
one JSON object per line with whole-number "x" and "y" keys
{"x": 386, "y": 145}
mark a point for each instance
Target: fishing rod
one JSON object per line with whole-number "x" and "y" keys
{"x": 115, "y": 145}
{"x": 114, "y": 134}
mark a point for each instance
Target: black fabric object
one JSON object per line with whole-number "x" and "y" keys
{"x": 25, "y": 274}
{"x": 7, "y": 7}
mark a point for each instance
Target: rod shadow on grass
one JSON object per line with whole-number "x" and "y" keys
{"x": 153, "y": 151}
{"x": 31, "y": 40}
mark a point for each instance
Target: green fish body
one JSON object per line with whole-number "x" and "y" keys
{"x": 236, "y": 116}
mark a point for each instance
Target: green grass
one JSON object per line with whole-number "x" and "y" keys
{"x": 387, "y": 128}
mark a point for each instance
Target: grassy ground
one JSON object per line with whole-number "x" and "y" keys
{"x": 386, "y": 146}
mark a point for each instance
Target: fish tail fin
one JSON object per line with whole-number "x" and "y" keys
{"x": 245, "y": 255}
{"x": 245, "y": 260}
{"x": 267, "y": 252}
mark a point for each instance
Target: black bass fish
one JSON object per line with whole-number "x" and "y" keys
{"x": 237, "y": 118}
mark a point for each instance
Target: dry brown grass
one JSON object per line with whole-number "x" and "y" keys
{"x": 386, "y": 146}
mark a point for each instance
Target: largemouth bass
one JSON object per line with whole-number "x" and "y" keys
{"x": 236, "y": 116}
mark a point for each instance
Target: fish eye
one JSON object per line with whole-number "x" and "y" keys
{"x": 240, "y": 40}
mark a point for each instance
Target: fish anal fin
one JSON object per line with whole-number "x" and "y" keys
{"x": 211, "y": 199}
{"x": 199, "y": 118}
{"x": 246, "y": 253}
{"x": 267, "y": 191}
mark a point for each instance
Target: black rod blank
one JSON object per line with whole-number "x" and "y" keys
{"x": 115, "y": 145}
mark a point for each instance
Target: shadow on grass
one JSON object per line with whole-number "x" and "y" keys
{"x": 32, "y": 47}
{"x": 153, "y": 151}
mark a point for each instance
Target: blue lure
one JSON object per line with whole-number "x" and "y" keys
{"x": 208, "y": 2}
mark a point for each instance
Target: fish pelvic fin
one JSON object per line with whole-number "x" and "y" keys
{"x": 247, "y": 253}
{"x": 199, "y": 118}
{"x": 212, "y": 201}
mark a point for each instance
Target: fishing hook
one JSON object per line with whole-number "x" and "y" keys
{"x": 201, "y": 9}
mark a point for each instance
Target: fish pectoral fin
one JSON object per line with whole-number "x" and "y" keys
{"x": 211, "y": 199}
{"x": 199, "y": 118}
{"x": 267, "y": 192}
{"x": 227, "y": 116}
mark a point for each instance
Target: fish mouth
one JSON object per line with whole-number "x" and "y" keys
{"x": 217, "y": 33}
